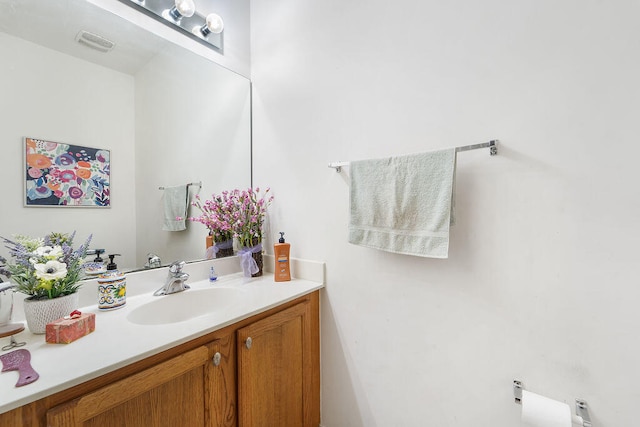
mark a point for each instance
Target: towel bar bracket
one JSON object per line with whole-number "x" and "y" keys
{"x": 517, "y": 391}
{"x": 338, "y": 165}
{"x": 583, "y": 412}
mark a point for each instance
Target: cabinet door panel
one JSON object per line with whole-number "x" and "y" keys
{"x": 24, "y": 416}
{"x": 221, "y": 378}
{"x": 270, "y": 372}
{"x": 178, "y": 402}
{"x": 162, "y": 395}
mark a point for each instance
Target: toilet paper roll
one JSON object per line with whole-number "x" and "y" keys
{"x": 540, "y": 411}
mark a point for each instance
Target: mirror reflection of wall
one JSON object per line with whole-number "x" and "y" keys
{"x": 173, "y": 119}
{"x": 191, "y": 126}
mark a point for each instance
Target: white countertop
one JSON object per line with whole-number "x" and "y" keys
{"x": 118, "y": 342}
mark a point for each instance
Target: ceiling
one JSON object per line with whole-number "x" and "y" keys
{"x": 55, "y": 24}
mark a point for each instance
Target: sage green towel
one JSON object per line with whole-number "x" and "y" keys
{"x": 176, "y": 203}
{"x": 403, "y": 204}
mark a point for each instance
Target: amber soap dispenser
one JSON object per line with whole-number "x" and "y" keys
{"x": 282, "y": 272}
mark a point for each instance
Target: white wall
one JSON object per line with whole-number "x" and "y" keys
{"x": 202, "y": 112}
{"x": 52, "y": 96}
{"x": 541, "y": 283}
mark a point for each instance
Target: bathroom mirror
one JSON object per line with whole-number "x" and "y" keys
{"x": 76, "y": 74}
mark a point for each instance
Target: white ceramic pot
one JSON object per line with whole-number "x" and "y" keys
{"x": 40, "y": 312}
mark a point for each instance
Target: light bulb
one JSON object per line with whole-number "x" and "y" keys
{"x": 182, "y": 8}
{"x": 213, "y": 24}
{"x": 186, "y": 7}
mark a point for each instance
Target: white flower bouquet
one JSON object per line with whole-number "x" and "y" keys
{"x": 44, "y": 268}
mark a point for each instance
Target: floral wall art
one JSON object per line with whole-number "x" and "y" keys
{"x": 66, "y": 175}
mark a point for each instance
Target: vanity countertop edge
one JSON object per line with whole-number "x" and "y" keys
{"x": 117, "y": 342}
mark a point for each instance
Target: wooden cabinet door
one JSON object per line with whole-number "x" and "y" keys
{"x": 170, "y": 394}
{"x": 274, "y": 370}
{"x": 221, "y": 380}
{"x": 24, "y": 416}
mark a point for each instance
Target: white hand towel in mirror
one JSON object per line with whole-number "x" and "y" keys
{"x": 176, "y": 203}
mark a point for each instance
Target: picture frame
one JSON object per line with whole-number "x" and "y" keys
{"x": 65, "y": 175}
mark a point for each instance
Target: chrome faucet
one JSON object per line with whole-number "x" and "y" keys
{"x": 4, "y": 286}
{"x": 176, "y": 280}
{"x": 153, "y": 261}
{"x": 6, "y": 303}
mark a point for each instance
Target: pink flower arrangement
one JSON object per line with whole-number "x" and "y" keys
{"x": 250, "y": 215}
{"x": 235, "y": 213}
{"x": 218, "y": 215}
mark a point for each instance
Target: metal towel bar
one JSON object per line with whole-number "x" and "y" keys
{"x": 197, "y": 184}
{"x": 492, "y": 145}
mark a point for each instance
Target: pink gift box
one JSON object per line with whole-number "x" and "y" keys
{"x": 64, "y": 331}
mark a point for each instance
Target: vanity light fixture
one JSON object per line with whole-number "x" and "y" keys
{"x": 213, "y": 24}
{"x": 183, "y": 16}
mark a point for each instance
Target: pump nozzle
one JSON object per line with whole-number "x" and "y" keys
{"x": 112, "y": 265}
{"x": 281, "y": 240}
{"x": 97, "y": 253}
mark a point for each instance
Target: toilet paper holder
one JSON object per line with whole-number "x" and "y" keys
{"x": 582, "y": 409}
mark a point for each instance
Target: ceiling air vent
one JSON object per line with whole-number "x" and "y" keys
{"x": 94, "y": 41}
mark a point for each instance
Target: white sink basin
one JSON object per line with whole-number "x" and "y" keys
{"x": 183, "y": 306}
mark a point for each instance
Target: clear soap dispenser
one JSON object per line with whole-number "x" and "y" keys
{"x": 112, "y": 287}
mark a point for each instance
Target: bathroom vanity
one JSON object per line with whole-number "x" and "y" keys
{"x": 253, "y": 361}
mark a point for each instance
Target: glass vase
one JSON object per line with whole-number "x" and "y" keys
{"x": 225, "y": 249}
{"x": 257, "y": 257}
